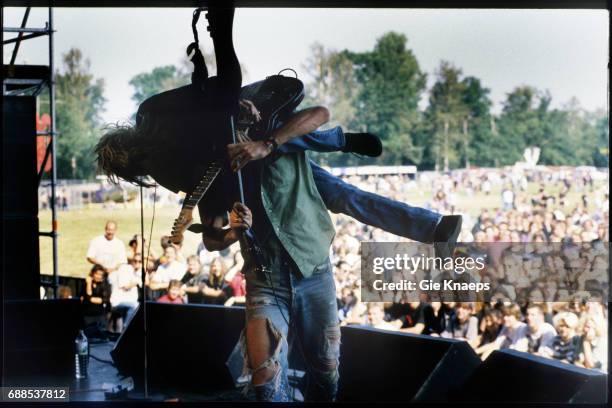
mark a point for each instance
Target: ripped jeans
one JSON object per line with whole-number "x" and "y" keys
{"x": 306, "y": 310}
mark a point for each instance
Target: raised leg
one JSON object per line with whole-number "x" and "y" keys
{"x": 331, "y": 140}
{"x": 229, "y": 76}
{"x": 418, "y": 224}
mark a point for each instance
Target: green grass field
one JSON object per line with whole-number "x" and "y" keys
{"x": 78, "y": 227}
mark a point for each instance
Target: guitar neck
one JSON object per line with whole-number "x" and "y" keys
{"x": 192, "y": 199}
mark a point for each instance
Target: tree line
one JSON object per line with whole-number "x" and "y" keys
{"x": 377, "y": 91}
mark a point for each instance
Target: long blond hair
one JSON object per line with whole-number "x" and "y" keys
{"x": 122, "y": 150}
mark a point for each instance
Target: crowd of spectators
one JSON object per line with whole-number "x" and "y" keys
{"x": 112, "y": 290}
{"x": 559, "y": 315}
{"x": 498, "y": 206}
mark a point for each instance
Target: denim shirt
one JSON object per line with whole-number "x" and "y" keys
{"x": 289, "y": 215}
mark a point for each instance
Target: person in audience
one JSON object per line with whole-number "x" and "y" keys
{"x": 593, "y": 351}
{"x": 463, "y": 326}
{"x": 237, "y": 263}
{"x": 493, "y": 322}
{"x": 124, "y": 290}
{"x": 134, "y": 248}
{"x": 346, "y": 302}
{"x": 96, "y": 299}
{"x": 173, "y": 294}
{"x": 217, "y": 291}
{"x": 194, "y": 280}
{"x": 376, "y": 317}
{"x": 358, "y": 313}
{"x": 171, "y": 269}
{"x": 237, "y": 283}
{"x": 510, "y": 333}
{"x": 64, "y": 292}
{"x": 537, "y": 336}
{"x": 566, "y": 344}
{"x": 413, "y": 317}
{"x": 107, "y": 250}
{"x": 206, "y": 256}
{"x": 166, "y": 242}
{"x": 444, "y": 312}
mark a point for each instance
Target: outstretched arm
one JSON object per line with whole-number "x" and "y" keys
{"x": 303, "y": 122}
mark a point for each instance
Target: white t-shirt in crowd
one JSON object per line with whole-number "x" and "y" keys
{"x": 544, "y": 336}
{"x": 508, "y": 196}
{"x": 109, "y": 253}
{"x": 122, "y": 277}
{"x": 172, "y": 270}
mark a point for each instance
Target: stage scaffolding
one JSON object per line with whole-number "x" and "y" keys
{"x": 31, "y": 80}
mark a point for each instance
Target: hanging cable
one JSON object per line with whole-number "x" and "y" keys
{"x": 144, "y": 300}
{"x": 200, "y": 72}
{"x": 151, "y": 229}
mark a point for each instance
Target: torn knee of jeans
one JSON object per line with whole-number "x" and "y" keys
{"x": 272, "y": 362}
{"x": 272, "y": 366}
{"x": 331, "y": 349}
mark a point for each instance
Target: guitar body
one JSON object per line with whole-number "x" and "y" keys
{"x": 276, "y": 98}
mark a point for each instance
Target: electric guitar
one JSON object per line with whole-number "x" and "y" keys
{"x": 275, "y": 98}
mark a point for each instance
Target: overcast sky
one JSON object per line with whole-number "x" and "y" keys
{"x": 563, "y": 51}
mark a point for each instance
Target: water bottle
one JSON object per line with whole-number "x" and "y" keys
{"x": 81, "y": 355}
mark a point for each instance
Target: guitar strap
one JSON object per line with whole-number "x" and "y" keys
{"x": 200, "y": 72}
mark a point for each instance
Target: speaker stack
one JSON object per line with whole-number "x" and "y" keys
{"x": 21, "y": 265}
{"x": 378, "y": 365}
{"x": 187, "y": 346}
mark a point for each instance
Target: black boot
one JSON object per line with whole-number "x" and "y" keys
{"x": 446, "y": 234}
{"x": 366, "y": 144}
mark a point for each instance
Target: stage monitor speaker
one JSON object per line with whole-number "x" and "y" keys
{"x": 513, "y": 376}
{"x": 383, "y": 366}
{"x": 187, "y": 346}
{"x": 39, "y": 337}
{"x": 21, "y": 266}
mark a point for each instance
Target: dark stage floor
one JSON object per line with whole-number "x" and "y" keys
{"x": 103, "y": 376}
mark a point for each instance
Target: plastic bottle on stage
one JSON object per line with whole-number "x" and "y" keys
{"x": 81, "y": 356}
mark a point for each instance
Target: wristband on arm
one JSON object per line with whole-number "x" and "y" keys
{"x": 271, "y": 144}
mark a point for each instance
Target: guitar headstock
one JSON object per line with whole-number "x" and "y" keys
{"x": 184, "y": 220}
